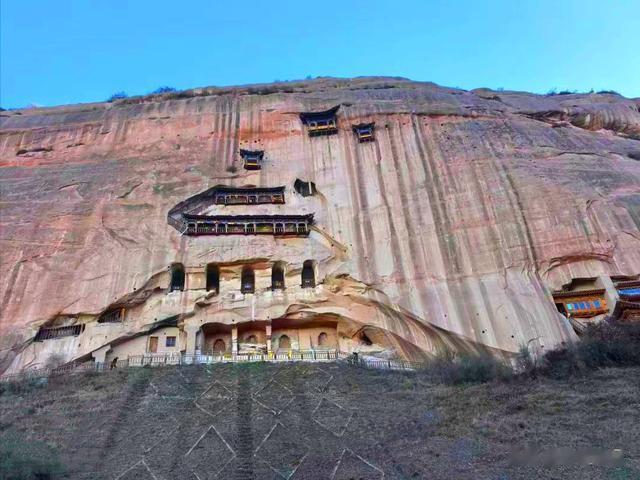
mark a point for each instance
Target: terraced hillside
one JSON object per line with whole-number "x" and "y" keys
{"x": 310, "y": 421}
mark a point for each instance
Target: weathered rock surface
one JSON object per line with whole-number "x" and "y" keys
{"x": 462, "y": 216}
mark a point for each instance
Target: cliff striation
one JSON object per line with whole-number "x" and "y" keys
{"x": 451, "y": 228}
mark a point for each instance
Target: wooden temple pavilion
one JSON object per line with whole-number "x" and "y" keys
{"x": 249, "y": 195}
{"x": 364, "y": 132}
{"x": 627, "y": 308}
{"x": 252, "y": 159}
{"x": 581, "y": 303}
{"x": 321, "y": 123}
{"x": 278, "y": 225}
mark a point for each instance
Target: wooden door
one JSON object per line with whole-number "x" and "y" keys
{"x": 153, "y": 344}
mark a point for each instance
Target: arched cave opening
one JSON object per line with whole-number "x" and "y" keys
{"x": 364, "y": 340}
{"x": 306, "y": 189}
{"x": 308, "y": 274}
{"x": 284, "y": 342}
{"x": 277, "y": 276}
{"x": 213, "y": 278}
{"x": 247, "y": 280}
{"x": 177, "y": 277}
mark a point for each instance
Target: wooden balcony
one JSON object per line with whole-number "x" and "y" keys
{"x": 246, "y": 196}
{"x": 52, "y": 333}
{"x": 277, "y": 225}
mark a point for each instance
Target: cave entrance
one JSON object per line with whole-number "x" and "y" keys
{"x": 219, "y": 346}
{"x": 308, "y": 274}
{"x": 177, "y": 277}
{"x": 247, "y": 280}
{"x": 306, "y": 189}
{"x": 213, "y": 278}
{"x": 284, "y": 342}
{"x": 277, "y": 276}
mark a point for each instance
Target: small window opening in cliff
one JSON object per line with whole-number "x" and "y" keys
{"x": 177, "y": 277}
{"x": 364, "y": 132}
{"x": 213, "y": 278}
{"x": 320, "y": 123}
{"x": 277, "y": 276}
{"x": 365, "y": 340}
{"x": 308, "y": 274}
{"x": 252, "y": 159}
{"x": 284, "y": 342}
{"x": 323, "y": 340}
{"x": 247, "y": 280}
{"x": 219, "y": 346}
{"x": 112, "y": 316}
{"x": 306, "y": 189}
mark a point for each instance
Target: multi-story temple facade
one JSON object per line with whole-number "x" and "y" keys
{"x": 382, "y": 216}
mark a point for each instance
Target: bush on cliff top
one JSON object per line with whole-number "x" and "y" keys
{"x": 117, "y": 96}
{"x": 163, "y": 90}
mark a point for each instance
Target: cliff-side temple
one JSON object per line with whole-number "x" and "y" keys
{"x": 380, "y": 216}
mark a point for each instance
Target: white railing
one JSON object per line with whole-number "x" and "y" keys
{"x": 175, "y": 359}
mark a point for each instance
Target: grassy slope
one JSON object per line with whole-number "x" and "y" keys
{"x": 101, "y": 425}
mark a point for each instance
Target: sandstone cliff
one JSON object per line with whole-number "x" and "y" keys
{"x": 457, "y": 222}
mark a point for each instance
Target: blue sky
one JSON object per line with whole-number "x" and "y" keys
{"x": 70, "y": 51}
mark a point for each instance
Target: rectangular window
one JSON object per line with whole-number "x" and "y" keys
{"x": 171, "y": 342}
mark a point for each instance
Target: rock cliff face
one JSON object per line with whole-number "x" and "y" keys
{"x": 451, "y": 228}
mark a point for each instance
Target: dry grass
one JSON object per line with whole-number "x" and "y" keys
{"x": 400, "y": 422}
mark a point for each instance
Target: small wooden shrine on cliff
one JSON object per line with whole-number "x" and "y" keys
{"x": 364, "y": 132}
{"x": 252, "y": 159}
{"x": 321, "y": 123}
{"x": 628, "y": 307}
